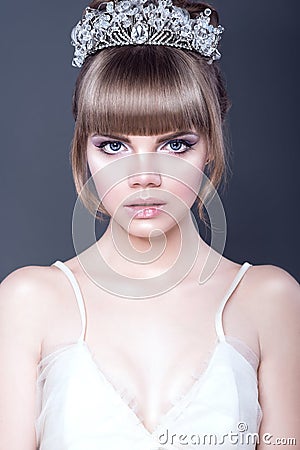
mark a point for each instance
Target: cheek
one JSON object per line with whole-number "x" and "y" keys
{"x": 188, "y": 186}
{"x": 94, "y": 162}
{"x": 99, "y": 169}
{"x": 112, "y": 198}
{"x": 186, "y": 191}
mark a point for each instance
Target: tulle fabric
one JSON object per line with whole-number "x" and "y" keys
{"x": 79, "y": 409}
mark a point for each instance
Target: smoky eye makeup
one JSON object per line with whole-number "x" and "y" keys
{"x": 184, "y": 134}
{"x": 108, "y": 147}
{"x": 100, "y": 138}
{"x": 175, "y": 143}
{"x": 180, "y": 145}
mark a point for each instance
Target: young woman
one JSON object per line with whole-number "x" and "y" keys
{"x": 149, "y": 338}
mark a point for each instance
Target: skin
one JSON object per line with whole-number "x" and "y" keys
{"x": 154, "y": 185}
{"x": 173, "y": 339}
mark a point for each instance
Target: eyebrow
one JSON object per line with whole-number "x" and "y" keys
{"x": 170, "y": 136}
{"x": 175, "y": 135}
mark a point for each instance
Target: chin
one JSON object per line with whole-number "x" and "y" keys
{"x": 146, "y": 228}
{"x": 149, "y": 230}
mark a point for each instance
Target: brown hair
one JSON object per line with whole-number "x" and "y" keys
{"x": 149, "y": 90}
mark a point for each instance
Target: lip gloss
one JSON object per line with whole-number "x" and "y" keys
{"x": 144, "y": 212}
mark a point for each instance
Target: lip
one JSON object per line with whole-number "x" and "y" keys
{"x": 144, "y": 211}
{"x": 144, "y": 208}
{"x": 145, "y": 202}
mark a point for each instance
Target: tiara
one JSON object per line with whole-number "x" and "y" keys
{"x": 148, "y": 22}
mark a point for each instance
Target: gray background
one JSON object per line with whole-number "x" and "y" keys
{"x": 261, "y": 65}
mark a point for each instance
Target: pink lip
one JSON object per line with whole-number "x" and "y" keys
{"x": 143, "y": 211}
{"x": 151, "y": 201}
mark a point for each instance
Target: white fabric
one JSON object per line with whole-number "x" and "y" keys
{"x": 78, "y": 408}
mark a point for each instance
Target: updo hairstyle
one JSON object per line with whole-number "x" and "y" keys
{"x": 150, "y": 90}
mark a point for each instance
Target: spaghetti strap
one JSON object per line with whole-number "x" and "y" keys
{"x": 78, "y": 294}
{"x": 234, "y": 284}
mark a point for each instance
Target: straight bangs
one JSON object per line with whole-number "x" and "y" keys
{"x": 142, "y": 90}
{"x": 147, "y": 90}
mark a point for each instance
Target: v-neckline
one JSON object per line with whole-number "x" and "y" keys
{"x": 180, "y": 404}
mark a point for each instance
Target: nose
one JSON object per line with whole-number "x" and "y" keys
{"x": 143, "y": 172}
{"x": 145, "y": 179}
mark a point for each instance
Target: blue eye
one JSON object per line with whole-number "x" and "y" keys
{"x": 179, "y": 145}
{"x": 113, "y": 147}
{"x": 176, "y": 145}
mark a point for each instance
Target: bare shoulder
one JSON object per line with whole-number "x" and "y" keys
{"x": 272, "y": 285}
{"x": 274, "y": 300}
{"x": 30, "y": 282}
{"x": 273, "y": 276}
{"x": 30, "y": 292}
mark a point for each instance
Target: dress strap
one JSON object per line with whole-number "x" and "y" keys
{"x": 234, "y": 284}
{"x": 78, "y": 294}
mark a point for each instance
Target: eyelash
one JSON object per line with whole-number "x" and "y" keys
{"x": 187, "y": 145}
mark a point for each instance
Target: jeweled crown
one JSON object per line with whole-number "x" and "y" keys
{"x": 134, "y": 22}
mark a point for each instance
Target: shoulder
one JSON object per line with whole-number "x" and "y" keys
{"x": 30, "y": 282}
{"x": 29, "y": 292}
{"x": 263, "y": 285}
{"x": 273, "y": 296}
{"x": 272, "y": 285}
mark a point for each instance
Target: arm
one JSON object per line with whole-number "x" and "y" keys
{"x": 20, "y": 345}
{"x": 279, "y": 372}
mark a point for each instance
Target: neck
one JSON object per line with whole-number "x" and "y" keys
{"x": 142, "y": 257}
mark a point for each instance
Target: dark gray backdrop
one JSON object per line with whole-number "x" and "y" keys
{"x": 261, "y": 65}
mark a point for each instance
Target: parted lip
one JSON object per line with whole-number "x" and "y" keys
{"x": 145, "y": 201}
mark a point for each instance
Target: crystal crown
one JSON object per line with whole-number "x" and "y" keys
{"x": 147, "y": 22}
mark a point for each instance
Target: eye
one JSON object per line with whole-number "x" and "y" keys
{"x": 179, "y": 145}
{"x": 110, "y": 147}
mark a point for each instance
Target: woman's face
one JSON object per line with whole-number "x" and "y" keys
{"x": 147, "y": 183}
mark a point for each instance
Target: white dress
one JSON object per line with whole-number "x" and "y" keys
{"x": 78, "y": 408}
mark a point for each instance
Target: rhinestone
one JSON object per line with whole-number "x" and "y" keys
{"x": 103, "y": 23}
{"x": 110, "y": 7}
{"x": 126, "y": 23}
{"x": 139, "y": 33}
{"x": 165, "y": 3}
{"x": 122, "y": 6}
{"x": 132, "y": 12}
{"x": 74, "y": 34}
{"x": 185, "y": 31}
{"x": 207, "y": 12}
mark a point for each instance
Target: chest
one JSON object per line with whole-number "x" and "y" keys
{"x": 79, "y": 405}
{"x": 151, "y": 355}
{"x": 150, "y": 352}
